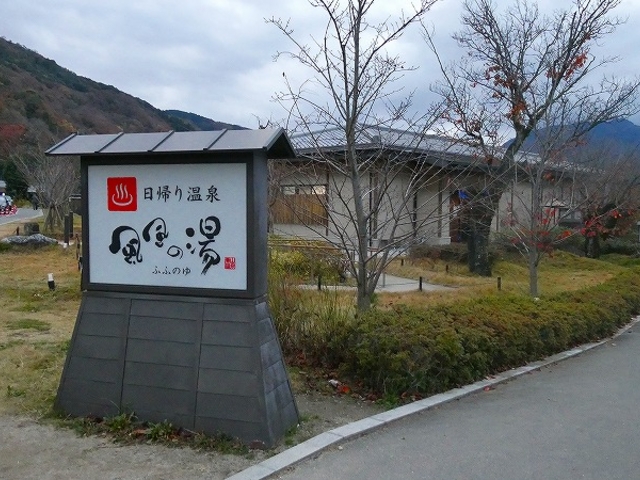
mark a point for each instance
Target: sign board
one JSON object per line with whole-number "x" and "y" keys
{"x": 168, "y": 225}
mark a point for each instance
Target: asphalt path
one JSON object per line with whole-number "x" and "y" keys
{"x": 578, "y": 419}
{"x": 389, "y": 283}
{"x": 22, "y": 215}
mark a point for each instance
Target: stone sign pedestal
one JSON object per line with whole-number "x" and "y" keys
{"x": 207, "y": 365}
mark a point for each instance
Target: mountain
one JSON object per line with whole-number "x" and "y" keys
{"x": 200, "y": 122}
{"x": 620, "y": 133}
{"x": 614, "y": 137}
{"x": 42, "y": 102}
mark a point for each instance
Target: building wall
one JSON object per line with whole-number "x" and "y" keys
{"x": 557, "y": 199}
{"x": 432, "y": 215}
{"x": 424, "y": 216}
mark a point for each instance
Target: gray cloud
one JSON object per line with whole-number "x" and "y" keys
{"x": 214, "y": 57}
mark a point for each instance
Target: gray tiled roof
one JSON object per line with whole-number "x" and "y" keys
{"x": 274, "y": 141}
{"x": 333, "y": 139}
{"x": 434, "y": 149}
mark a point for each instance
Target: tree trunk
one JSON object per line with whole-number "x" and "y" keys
{"x": 533, "y": 273}
{"x": 364, "y": 300}
{"x": 479, "y": 229}
{"x": 592, "y": 247}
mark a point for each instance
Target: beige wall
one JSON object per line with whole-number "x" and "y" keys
{"x": 429, "y": 218}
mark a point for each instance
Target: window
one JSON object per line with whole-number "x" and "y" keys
{"x": 301, "y": 205}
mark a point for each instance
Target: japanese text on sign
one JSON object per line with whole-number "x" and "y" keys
{"x": 186, "y": 232}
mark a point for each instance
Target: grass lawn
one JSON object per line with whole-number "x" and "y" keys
{"x": 36, "y": 325}
{"x": 561, "y": 272}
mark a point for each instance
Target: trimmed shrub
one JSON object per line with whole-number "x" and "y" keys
{"x": 414, "y": 351}
{"x": 620, "y": 246}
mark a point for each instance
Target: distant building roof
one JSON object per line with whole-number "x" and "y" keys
{"x": 274, "y": 142}
{"x": 431, "y": 148}
{"x": 376, "y": 137}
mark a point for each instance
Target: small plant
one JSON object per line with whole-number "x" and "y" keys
{"x": 289, "y": 436}
{"x": 161, "y": 431}
{"x": 389, "y": 401}
{"x": 120, "y": 423}
{"x": 221, "y": 443}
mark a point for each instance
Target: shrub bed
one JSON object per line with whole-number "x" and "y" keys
{"x": 412, "y": 351}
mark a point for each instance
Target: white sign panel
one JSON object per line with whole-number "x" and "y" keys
{"x": 168, "y": 225}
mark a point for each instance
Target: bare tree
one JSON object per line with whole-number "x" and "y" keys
{"x": 519, "y": 66}
{"x": 55, "y": 180}
{"x": 354, "y": 93}
{"x": 544, "y": 200}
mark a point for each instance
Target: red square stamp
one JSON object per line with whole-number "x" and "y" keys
{"x": 122, "y": 194}
{"x": 229, "y": 263}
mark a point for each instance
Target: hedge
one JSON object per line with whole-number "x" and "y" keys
{"x": 423, "y": 351}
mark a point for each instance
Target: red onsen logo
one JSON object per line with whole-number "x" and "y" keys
{"x": 229, "y": 263}
{"x": 122, "y": 194}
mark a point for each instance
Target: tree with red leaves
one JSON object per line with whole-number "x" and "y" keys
{"x": 601, "y": 222}
{"x": 519, "y": 66}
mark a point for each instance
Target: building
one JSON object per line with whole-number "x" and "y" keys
{"x": 415, "y": 188}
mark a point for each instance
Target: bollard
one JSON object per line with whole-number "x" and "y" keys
{"x": 420, "y": 284}
{"x": 80, "y": 270}
{"x": 50, "y": 282}
{"x": 319, "y": 282}
{"x": 402, "y": 262}
{"x": 499, "y": 283}
{"x": 446, "y": 268}
{"x": 67, "y": 229}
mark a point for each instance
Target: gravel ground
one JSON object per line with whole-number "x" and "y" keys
{"x": 33, "y": 450}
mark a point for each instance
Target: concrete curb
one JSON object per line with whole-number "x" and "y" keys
{"x": 314, "y": 446}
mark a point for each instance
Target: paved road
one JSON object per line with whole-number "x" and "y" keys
{"x": 22, "y": 215}
{"x": 579, "y": 419}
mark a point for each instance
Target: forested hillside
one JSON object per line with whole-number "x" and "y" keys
{"x": 42, "y": 102}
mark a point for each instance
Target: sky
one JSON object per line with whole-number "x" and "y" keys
{"x": 215, "y": 58}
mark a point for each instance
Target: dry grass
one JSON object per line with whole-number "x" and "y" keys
{"x": 36, "y": 325}
{"x": 9, "y": 229}
{"x": 561, "y": 272}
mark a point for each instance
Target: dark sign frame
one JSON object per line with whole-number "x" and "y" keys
{"x": 256, "y": 280}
